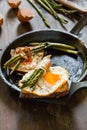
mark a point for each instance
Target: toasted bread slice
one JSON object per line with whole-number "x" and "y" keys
{"x": 53, "y": 83}
{"x": 25, "y": 66}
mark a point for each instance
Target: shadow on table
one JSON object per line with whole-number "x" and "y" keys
{"x": 0, "y": 30}
{"x": 12, "y": 13}
{"x": 23, "y": 28}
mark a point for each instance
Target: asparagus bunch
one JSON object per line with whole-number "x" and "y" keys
{"x": 57, "y": 46}
{"x": 47, "y": 5}
{"x": 32, "y": 80}
{"x": 52, "y": 7}
{"x": 16, "y": 60}
{"x": 58, "y": 7}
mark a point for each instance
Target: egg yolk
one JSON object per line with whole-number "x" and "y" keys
{"x": 51, "y": 78}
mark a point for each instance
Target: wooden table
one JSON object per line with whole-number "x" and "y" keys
{"x": 17, "y": 114}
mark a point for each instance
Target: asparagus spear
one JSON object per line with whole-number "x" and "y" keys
{"x": 56, "y": 4}
{"x": 44, "y": 44}
{"x": 60, "y": 8}
{"x": 44, "y": 5}
{"x": 54, "y": 13}
{"x": 15, "y": 66}
{"x": 33, "y": 78}
{"x": 40, "y": 13}
{"x": 50, "y": 9}
{"x": 12, "y": 60}
{"x": 40, "y": 47}
{"x": 65, "y": 50}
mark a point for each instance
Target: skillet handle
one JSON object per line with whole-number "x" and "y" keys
{"x": 80, "y": 24}
{"x": 76, "y": 86}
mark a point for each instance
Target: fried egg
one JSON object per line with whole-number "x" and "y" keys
{"x": 53, "y": 83}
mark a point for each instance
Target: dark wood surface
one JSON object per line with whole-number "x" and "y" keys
{"x": 18, "y": 114}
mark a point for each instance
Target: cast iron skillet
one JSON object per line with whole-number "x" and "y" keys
{"x": 76, "y": 65}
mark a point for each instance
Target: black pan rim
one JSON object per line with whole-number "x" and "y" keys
{"x": 28, "y": 33}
